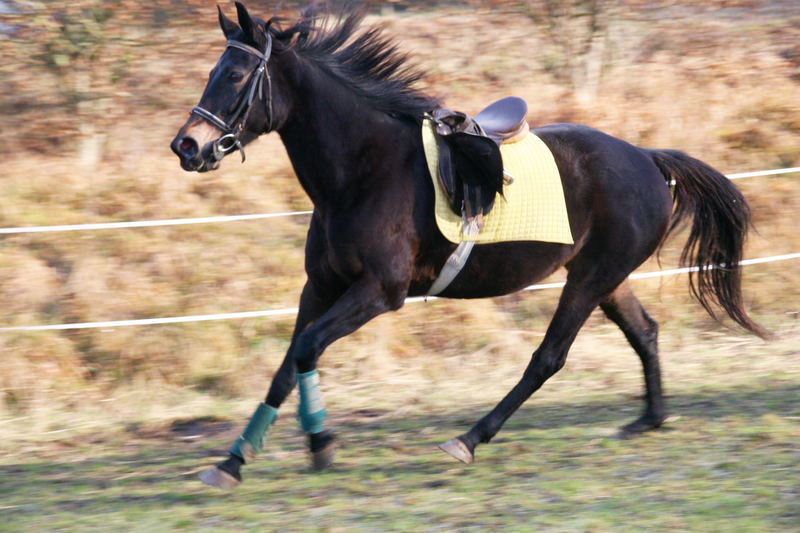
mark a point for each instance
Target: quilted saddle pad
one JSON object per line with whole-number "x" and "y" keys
{"x": 533, "y": 208}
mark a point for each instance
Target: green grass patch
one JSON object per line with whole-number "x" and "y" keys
{"x": 727, "y": 462}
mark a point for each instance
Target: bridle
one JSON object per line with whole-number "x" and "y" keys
{"x": 229, "y": 141}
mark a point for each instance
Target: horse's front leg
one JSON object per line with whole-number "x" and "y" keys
{"x": 315, "y": 330}
{"x": 227, "y": 474}
{"x": 363, "y": 301}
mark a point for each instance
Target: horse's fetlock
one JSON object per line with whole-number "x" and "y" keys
{"x": 232, "y": 465}
{"x": 249, "y": 443}
{"x": 319, "y": 441}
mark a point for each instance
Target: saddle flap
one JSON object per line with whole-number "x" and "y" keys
{"x": 470, "y": 166}
{"x": 471, "y": 171}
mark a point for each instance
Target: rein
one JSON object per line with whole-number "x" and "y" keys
{"x": 234, "y": 127}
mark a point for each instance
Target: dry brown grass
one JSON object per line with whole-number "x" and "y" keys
{"x": 722, "y": 88}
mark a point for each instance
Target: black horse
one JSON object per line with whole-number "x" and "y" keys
{"x": 347, "y": 108}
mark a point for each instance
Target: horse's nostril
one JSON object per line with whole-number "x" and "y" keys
{"x": 185, "y": 147}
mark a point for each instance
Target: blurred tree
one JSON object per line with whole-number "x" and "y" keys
{"x": 579, "y": 31}
{"x": 72, "y": 50}
{"x": 66, "y": 40}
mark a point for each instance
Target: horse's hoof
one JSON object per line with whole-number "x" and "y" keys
{"x": 639, "y": 426}
{"x": 322, "y": 459}
{"x": 216, "y": 477}
{"x": 458, "y": 449}
{"x": 322, "y": 446}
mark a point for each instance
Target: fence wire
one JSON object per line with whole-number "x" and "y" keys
{"x": 237, "y": 218}
{"x": 272, "y": 313}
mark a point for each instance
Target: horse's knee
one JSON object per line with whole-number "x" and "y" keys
{"x": 556, "y": 363}
{"x": 305, "y": 353}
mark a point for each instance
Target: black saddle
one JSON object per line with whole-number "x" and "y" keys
{"x": 470, "y": 165}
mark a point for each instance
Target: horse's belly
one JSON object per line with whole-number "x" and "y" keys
{"x": 501, "y": 268}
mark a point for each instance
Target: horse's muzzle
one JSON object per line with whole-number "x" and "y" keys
{"x": 192, "y": 159}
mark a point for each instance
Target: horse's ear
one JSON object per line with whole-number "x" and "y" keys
{"x": 248, "y": 25}
{"x": 295, "y": 38}
{"x": 228, "y": 26}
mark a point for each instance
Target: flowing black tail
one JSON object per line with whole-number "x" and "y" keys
{"x": 720, "y": 220}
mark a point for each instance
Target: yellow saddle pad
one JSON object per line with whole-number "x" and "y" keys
{"x": 533, "y": 208}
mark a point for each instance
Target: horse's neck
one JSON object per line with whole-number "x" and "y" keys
{"x": 328, "y": 137}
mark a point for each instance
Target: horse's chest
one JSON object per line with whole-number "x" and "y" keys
{"x": 344, "y": 250}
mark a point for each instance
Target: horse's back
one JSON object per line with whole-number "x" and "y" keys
{"x": 599, "y": 152}
{"x": 600, "y": 164}
{"x": 617, "y": 183}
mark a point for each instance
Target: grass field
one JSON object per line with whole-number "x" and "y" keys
{"x": 106, "y": 430}
{"x": 728, "y": 458}
{"x": 726, "y": 461}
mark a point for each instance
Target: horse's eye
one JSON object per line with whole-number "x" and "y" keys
{"x": 236, "y": 77}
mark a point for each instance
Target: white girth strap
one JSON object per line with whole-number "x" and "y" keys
{"x": 457, "y": 259}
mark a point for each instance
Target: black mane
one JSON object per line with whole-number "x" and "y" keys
{"x": 367, "y": 62}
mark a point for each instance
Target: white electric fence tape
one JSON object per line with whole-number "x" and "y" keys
{"x": 293, "y": 310}
{"x": 149, "y": 223}
{"x": 235, "y": 218}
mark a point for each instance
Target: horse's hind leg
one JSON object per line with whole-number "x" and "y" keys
{"x": 624, "y": 309}
{"x": 582, "y": 293}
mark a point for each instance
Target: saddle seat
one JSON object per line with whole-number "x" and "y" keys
{"x": 504, "y": 120}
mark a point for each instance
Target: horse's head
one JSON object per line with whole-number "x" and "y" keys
{"x": 240, "y": 101}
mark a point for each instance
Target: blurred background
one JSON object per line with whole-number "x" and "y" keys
{"x": 93, "y": 91}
